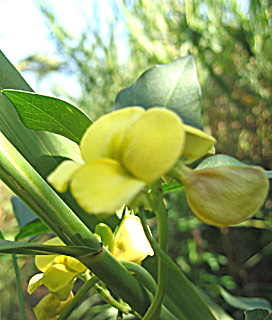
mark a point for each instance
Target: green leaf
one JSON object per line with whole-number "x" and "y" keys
{"x": 22, "y": 213}
{"x": 219, "y": 160}
{"x": 174, "y": 86}
{"x": 32, "y": 229}
{"x": 218, "y": 312}
{"x": 258, "y": 314}
{"x": 39, "y": 112}
{"x": 181, "y": 298}
{"x": 166, "y": 188}
{"x": 29, "y": 248}
{"x": 243, "y": 303}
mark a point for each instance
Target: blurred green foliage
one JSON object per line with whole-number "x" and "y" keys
{"x": 231, "y": 42}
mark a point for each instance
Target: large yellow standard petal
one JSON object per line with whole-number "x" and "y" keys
{"x": 62, "y": 175}
{"x": 224, "y": 196}
{"x": 154, "y": 144}
{"x": 197, "y": 144}
{"x": 103, "y": 186}
{"x": 130, "y": 242}
{"x": 104, "y": 138}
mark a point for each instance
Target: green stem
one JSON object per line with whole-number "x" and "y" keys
{"x": 159, "y": 252}
{"x": 78, "y": 297}
{"x": 158, "y": 206}
{"x": 19, "y": 288}
{"x": 146, "y": 279}
{"x": 107, "y": 297}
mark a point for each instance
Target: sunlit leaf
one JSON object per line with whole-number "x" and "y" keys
{"x": 174, "y": 86}
{"x": 39, "y": 112}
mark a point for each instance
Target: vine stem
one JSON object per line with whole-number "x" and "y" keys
{"x": 156, "y": 200}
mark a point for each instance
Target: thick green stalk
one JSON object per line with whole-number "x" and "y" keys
{"x": 23, "y": 180}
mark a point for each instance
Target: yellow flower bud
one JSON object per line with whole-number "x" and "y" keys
{"x": 227, "y": 195}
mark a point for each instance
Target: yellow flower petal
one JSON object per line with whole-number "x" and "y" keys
{"x": 74, "y": 264}
{"x": 130, "y": 242}
{"x": 63, "y": 174}
{"x": 43, "y": 262}
{"x": 154, "y": 144}
{"x": 103, "y": 186}
{"x": 224, "y": 196}
{"x": 34, "y": 283}
{"x": 50, "y": 307}
{"x": 104, "y": 138}
{"x": 59, "y": 280}
{"x": 197, "y": 144}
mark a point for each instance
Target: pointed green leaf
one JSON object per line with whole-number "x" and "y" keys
{"x": 29, "y": 248}
{"x": 43, "y": 150}
{"x": 258, "y": 314}
{"x": 22, "y": 213}
{"x": 39, "y": 112}
{"x": 166, "y": 188}
{"x": 32, "y": 229}
{"x": 174, "y": 86}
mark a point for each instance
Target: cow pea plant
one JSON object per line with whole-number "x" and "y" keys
{"x": 95, "y": 185}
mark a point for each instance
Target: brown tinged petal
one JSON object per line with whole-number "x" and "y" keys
{"x": 224, "y": 196}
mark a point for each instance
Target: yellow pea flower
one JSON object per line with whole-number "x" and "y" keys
{"x": 50, "y": 308}
{"x": 123, "y": 152}
{"x": 129, "y": 243}
{"x": 59, "y": 272}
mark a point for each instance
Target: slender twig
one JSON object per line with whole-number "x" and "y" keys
{"x": 107, "y": 297}
{"x": 19, "y": 288}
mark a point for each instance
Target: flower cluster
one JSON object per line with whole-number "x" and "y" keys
{"x": 59, "y": 271}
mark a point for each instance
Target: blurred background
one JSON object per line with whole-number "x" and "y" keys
{"x": 87, "y": 51}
